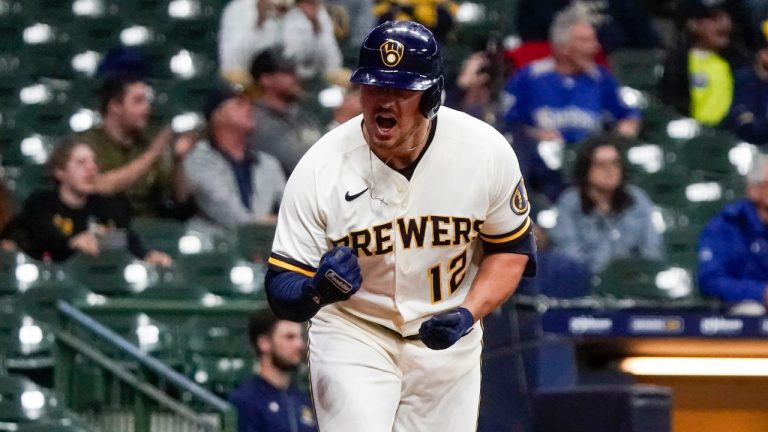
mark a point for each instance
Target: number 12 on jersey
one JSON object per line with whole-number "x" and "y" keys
{"x": 456, "y": 271}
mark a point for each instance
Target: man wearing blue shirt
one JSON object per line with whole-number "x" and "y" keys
{"x": 266, "y": 402}
{"x": 567, "y": 97}
{"x": 733, "y": 248}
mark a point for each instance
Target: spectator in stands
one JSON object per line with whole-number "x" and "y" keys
{"x": 349, "y": 107}
{"x": 232, "y": 183}
{"x": 283, "y": 129}
{"x": 74, "y": 217}
{"x": 304, "y": 32}
{"x": 733, "y": 247}
{"x": 567, "y": 96}
{"x": 247, "y": 27}
{"x": 309, "y": 40}
{"x": 563, "y": 98}
{"x": 436, "y": 15}
{"x": 361, "y": 19}
{"x": 749, "y": 111}
{"x": 602, "y": 217}
{"x": 618, "y": 23}
{"x": 267, "y": 402}
{"x": 131, "y": 164}
{"x": 698, "y": 75}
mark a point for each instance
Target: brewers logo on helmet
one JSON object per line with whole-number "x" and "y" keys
{"x": 403, "y": 55}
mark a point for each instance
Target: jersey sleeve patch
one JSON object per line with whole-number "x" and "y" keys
{"x": 279, "y": 262}
{"x": 519, "y": 201}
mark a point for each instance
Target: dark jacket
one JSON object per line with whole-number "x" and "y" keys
{"x": 749, "y": 111}
{"x": 262, "y": 407}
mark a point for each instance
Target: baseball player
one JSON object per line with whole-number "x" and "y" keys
{"x": 399, "y": 230}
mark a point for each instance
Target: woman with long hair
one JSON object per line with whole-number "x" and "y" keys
{"x": 602, "y": 217}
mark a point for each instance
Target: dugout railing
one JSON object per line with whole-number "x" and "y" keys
{"x": 117, "y": 385}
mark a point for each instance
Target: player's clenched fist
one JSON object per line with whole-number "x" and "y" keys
{"x": 444, "y": 329}
{"x": 338, "y": 276}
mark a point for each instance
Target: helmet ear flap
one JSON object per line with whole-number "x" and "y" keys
{"x": 431, "y": 99}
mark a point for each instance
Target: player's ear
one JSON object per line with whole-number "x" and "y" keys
{"x": 263, "y": 344}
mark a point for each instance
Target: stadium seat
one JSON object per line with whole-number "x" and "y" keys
{"x": 221, "y": 375}
{"x": 64, "y": 425}
{"x": 224, "y": 274}
{"x": 707, "y": 152}
{"x": 106, "y": 273}
{"x": 25, "y": 343}
{"x": 24, "y": 402}
{"x": 23, "y": 182}
{"x": 159, "y": 234}
{"x": 640, "y": 69}
{"x": 254, "y": 241}
{"x": 218, "y": 336}
{"x": 640, "y": 278}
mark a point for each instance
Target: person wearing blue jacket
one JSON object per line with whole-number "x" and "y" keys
{"x": 733, "y": 247}
{"x": 266, "y": 402}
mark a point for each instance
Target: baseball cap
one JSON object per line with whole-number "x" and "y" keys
{"x": 221, "y": 92}
{"x": 270, "y": 61}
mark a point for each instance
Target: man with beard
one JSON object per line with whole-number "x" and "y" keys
{"x": 283, "y": 129}
{"x": 266, "y": 402}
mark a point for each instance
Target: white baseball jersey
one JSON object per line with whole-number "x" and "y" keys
{"x": 418, "y": 241}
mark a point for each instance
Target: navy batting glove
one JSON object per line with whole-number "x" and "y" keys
{"x": 444, "y": 329}
{"x": 338, "y": 276}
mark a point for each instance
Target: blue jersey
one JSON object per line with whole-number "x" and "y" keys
{"x": 574, "y": 105}
{"x": 262, "y": 407}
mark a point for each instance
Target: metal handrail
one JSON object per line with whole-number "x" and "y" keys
{"x": 152, "y": 364}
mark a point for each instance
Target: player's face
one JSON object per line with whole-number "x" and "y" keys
{"x": 583, "y": 45}
{"x": 391, "y": 117}
{"x": 79, "y": 172}
{"x": 288, "y": 345}
{"x": 605, "y": 169}
{"x": 133, "y": 109}
{"x": 236, "y": 113}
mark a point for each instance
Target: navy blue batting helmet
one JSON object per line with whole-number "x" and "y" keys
{"x": 403, "y": 55}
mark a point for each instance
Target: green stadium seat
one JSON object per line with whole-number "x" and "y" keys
{"x": 159, "y": 234}
{"x": 638, "y": 278}
{"x": 218, "y": 335}
{"x": 25, "y": 343}
{"x": 39, "y": 300}
{"x": 708, "y": 152}
{"x": 96, "y": 33}
{"x": 680, "y": 245}
{"x": 221, "y": 375}
{"x": 640, "y": 69}
{"x": 9, "y": 284}
{"x": 23, "y": 402}
{"x": 46, "y": 119}
{"x": 254, "y": 241}
{"x": 23, "y": 182}
{"x": 105, "y": 274}
{"x": 224, "y": 274}
{"x": 64, "y": 425}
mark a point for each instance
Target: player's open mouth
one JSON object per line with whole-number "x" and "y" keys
{"x": 385, "y": 121}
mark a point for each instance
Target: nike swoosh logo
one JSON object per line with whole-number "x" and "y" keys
{"x": 349, "y": 197}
